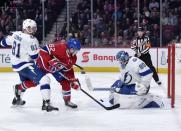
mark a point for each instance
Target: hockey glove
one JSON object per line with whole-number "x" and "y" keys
{"x": 55, "y": 66}
{"x": 75, "y": 84}
{"x": 117, "y": 85}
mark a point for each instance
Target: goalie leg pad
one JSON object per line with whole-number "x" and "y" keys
{"x": 126, "y": 90}
{"x": 152, "y": 104}
{"x": 141, "y": 89}
{"x": 113, "y": 98}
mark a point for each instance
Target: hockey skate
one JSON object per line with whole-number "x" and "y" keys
{"x": 47, "y": 107}
{"x": 17, "y": 99}
{"x": 70, "y": 104}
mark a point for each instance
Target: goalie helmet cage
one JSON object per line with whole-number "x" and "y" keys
{"x": 174, "y": 73}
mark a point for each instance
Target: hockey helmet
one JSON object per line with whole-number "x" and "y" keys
{"x": 29, "y": 26}
{"x": 122, "y": 57}
{"x": 74, "y": 44}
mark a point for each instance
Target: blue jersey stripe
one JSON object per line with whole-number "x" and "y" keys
{"x": 146, "y": 72}
{"x": 66, "y": 93}
{"x": 46, "y": 86}
{"x": 34, "y": 56}
{"x": 3, "y": 43}
{"x": 45, "y": 48}
{"x": 19, "y": 65}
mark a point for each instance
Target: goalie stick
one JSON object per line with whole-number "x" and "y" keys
{"x": 88, "y": 82}
{"x": 98, "y": 102}
{"x": 91, "y": 88}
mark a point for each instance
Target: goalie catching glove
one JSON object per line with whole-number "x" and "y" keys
{"x": 55, "y": 66}
{"x": 74, "y": 83}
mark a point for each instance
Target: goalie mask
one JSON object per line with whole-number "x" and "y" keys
{"x": 123, "y": 58}
{"x": 73, "y": 45}
{"x": 29, "y": 26}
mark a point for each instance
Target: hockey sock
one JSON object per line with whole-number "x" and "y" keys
{"x": 45, "y": 91}
{"x": 26, "y": 84}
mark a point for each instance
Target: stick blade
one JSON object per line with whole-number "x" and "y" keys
{"x": 113, "y": 107}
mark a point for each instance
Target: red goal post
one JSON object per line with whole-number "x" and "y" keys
{"x": 174, "y": 71}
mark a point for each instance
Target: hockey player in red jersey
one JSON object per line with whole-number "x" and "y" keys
{"x": 58, "y": 58}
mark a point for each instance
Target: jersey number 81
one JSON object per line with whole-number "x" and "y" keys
{"x": 16, "y": 49}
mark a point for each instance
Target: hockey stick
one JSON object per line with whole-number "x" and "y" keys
{"x": 81, "y": 69}
{"x": 98, "y": 102}
{"x": 105, "y": 107}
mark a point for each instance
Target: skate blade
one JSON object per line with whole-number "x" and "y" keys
{"x": 67, "y": 108}
{"x": 54, "y": 112}
{"x": 17, "y": 106}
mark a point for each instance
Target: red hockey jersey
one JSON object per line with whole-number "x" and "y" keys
{"x": 56, "y": 50}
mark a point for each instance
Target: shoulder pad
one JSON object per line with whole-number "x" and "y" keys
{"x": 134, "y": 59}
{"x": 142, "y": 65}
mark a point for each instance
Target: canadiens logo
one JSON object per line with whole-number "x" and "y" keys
{"x": 85, "y": 56}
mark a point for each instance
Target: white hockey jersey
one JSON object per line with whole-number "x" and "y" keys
{"x": 136, "y": 71}
{"x": 25, "y": 49}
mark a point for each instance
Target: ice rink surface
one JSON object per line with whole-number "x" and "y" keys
{"x": 89, "y": 116}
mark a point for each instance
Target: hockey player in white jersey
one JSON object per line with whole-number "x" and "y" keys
{"x": 25, "y": 50}
{"x": 131, "y": 90}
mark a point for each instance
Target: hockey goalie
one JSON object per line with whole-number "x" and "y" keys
{"x": 131, "y": 90}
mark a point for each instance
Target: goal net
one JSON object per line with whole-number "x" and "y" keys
{"x": 174, "y": 74}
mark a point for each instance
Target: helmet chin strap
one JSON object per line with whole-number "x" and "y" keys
{"x": 71, "y": 53}
{"x": 68, "y": 52}
{"x": 74, "y": 53}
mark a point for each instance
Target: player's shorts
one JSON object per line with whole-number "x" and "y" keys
{"x": 31, "y": 73}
